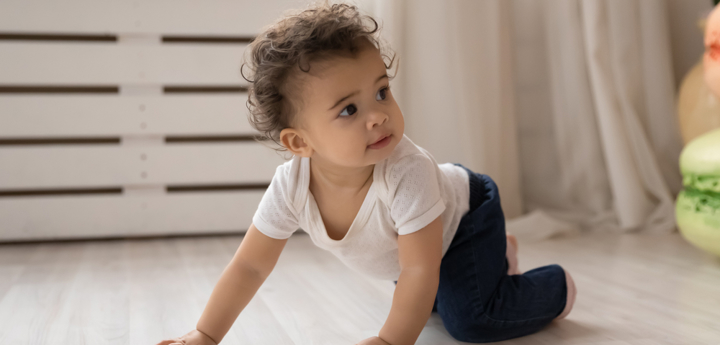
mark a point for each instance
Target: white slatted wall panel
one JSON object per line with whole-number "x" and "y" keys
{"x": 128, "y": 118}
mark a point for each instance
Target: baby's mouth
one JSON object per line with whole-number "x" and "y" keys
{"x": 382, "y": 142}
{"x": 379, "y": 140}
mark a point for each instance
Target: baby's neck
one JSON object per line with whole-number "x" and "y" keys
{"x": 339, "y": 178}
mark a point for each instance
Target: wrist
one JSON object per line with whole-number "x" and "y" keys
{"x": 383, "y": 340}
{"x": 207, "y": 336}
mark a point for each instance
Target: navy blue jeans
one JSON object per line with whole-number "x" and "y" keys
{"x": 476, "y": 299}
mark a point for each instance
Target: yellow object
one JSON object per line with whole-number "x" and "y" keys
{"x": 698, "y": 107}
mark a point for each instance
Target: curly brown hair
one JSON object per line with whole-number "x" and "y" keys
{"x": 288, "y": 46}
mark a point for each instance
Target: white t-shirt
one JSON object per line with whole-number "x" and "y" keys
{"x": 409, "y": 190}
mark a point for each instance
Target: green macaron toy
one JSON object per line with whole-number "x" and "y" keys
{"x": 698, "y": 206}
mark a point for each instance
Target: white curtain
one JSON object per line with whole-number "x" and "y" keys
{"x": 568, "y": 104}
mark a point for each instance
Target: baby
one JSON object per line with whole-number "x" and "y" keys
{"x": 364, "y": 191}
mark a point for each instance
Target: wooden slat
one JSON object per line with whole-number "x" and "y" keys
{"x": 33, "y": 167}
{"x": 38, "y": 116}
{"x": 236, "y": 17}
{"x": 32, "y": 218}
{"x": 13, "y": 36}
{"x": 59, "y": 89}
{"x": 31, "y": 63}
{"x": 60, "y": 141}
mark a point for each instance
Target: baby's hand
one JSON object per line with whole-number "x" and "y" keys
{"x": 373, "y": 341}
{"x": 194, "y": 337}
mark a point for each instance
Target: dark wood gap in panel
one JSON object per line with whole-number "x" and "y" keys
{"x": 60, "y": 141}
{"x": 207, "y": 39}
{"x": 208, "y": 188}
{"x": 57, "y": 191}
{"x": 103, "y": 89}
{"x": 152, "y": 237}
{"x": 203, "y": 89}
{"x": 207, "y": 138}
{"x": 43, "y": 36}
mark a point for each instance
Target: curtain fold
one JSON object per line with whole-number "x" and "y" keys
{"x": 618, "y": 61}
{"x": 569, "y": 105}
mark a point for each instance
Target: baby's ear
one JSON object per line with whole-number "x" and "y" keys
{"x": 294, "y": 142}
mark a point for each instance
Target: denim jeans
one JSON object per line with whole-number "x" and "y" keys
{"x": 476, "y": 299}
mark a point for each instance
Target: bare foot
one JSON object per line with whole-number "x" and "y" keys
{"x": 571, "y": 294}
{"x": 511, "y": 254}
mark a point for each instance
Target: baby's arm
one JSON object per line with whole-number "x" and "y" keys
{"x": 253, "y": 261}
{"x": 420, "y": 256}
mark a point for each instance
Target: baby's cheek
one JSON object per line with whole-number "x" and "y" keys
{"x": 349, "y": 154}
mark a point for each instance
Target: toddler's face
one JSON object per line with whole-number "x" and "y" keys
{"x": 347, "y": 107}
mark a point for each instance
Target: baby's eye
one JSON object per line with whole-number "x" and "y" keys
{"x": 349, "y": 110}
{"x": 382, "y": 94}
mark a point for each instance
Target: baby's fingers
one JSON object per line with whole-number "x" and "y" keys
{"x": 176, "y": 341}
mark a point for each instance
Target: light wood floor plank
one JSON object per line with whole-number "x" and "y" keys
{"x": 31, "y": 308}
{"x": 95, "y": 310}
{"x": 633, "y": 290}
{"x": 13, "y": 261}
{"x": 205, "y": 261}
{"x": 161, "y": 299}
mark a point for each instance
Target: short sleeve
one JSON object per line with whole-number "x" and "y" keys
{"x": 415, "y": 192}
{"x": 274, "y": 216}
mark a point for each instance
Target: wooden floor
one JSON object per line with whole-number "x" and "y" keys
{"x": 633, "y": 289}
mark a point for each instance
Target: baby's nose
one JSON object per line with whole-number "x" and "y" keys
{"x": 377, "y": 118}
